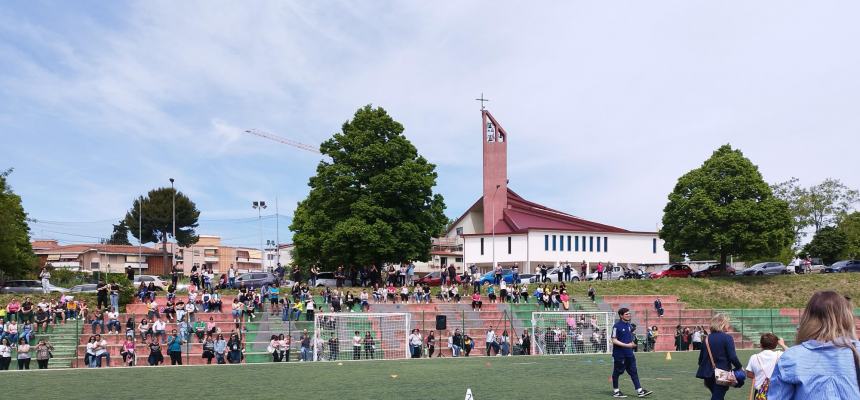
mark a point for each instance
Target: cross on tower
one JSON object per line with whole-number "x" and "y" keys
{"x": 482, "y": 100}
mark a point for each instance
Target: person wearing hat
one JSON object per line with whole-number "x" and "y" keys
{"x": 622, "y": 354}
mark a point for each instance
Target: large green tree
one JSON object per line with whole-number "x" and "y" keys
{"x": 373, "y": 202}
{"x": 817, "y": 206}
{"x": 16, "y": 253}
{"x": 157, "y": 226}
{"x": 725, "y": 208}
{"x": 850, "y": 228}
{"x": 120, "y": 234}
{"x": 828, "y": 244}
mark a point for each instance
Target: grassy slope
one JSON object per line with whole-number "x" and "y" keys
{"x": 736, "y": 292}
{"x": 544, "y": 377}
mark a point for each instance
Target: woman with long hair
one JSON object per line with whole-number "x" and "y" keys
{"x": 718, "y": 352}
{"x": 823, "y": 365}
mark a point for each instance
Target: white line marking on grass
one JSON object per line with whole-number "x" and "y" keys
{"x": 526, "y": 363}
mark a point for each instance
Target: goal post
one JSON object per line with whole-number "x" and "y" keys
{"x": 574, "y": 332}
{"x": 381, "y": 336}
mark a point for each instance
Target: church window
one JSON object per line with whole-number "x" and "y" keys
{"x": 482, "y": 246}
{"x": 654, "y": 246}
{"x": 509, "y": 245}
{"x": 598, "y": 244}
{"x": 568, "y": 242}
{"x": 591, "y": 243}
{"x": 605, "y": 243}
{"x": 546, "y": 242}
{"x": 576, "y": 243}
{"x": 553, "y": 242}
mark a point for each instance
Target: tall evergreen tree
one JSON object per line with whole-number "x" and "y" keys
{"x": 725, "y": 208}
{"x": 373, "y": 202}
{"x": 16, "y": 253}
{"x": 157, "y": 223}
{"x": 120, "y": 234}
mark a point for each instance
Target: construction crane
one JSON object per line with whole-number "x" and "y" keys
{"x": 266, "y": 135}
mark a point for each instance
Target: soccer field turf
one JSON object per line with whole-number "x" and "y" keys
{"x": 545, "y": 377}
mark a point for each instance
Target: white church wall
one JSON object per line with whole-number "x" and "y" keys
{"x": 472, "y": 223}
{"x": 633, "y": 248}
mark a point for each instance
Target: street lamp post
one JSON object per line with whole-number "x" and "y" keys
{"x": 259, "y": 206}
{"x": 494, "y": 227}
{"x": 173, "y": 253}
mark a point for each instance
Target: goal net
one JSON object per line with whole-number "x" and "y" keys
{"x": 571, "y": 332}
{"x": 360, "y": 336}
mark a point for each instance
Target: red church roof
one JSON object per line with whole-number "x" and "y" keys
{"x": 522, "y": 215}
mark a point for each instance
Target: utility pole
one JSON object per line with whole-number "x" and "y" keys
{"x": 259, "y": 206}
{"x": 173, "y": 250}
{"x": 277, "y": 234}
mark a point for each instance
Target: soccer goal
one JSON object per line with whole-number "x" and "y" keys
{"x": 571, "y": 332}
{"x": 380, "y": 336}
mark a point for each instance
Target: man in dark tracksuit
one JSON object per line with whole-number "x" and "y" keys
{"x": 622, "y": 355}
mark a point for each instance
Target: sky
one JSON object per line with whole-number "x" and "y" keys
{"x": 606, "y": 103}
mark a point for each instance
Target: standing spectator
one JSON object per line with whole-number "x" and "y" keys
{"x": 155, "y": 356}
{"x": 431, "y": 344}
{"x": 231, "y": 277}
{"x": 45, "y": 277}
{"x": 761, "y": 365}
{"x": 127, "y": 352}
{"x": 718, "y": 352}
{"x": 543, "y": 272}
{"x": 356, "y": 346}
{"x": 526, "y": 343}
{"x": 369, "y": 346}
{"x": 43, "y": 353}
{"x": 5, "y": 354}
{"x": 697, "y": 338}
{"x": 600, "y": 271}
{"x": 174, "y": 348}
{"x": 824, "y": 362}
{"x": 102, "y": 291}
{"x": 23, "y": 350}
{"x": 129, "y": 273}
{"x": 622, "y": 354}
{"x": 566, "y": 272}
{"x": 114, "y": 295}
{"x": 559, "y": 274}
{"x": 490, "y": 341}
{"x": 415, "y": 342}
{"x": 284, "y": 343}
{"x": 515, "y": 274}
{"x": 679, "y": 338}
{"x": 658, "y": 305}
{"x": 505, "y": 343}
{"x": 305, "y": 346}
{"x": 584, "y": 269}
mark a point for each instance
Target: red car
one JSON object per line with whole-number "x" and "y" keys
{"x": 714, "y": 270}
{"x": 673, "y": 271}
{"x": 433, "y": 279}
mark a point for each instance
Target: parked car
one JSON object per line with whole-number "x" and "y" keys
{"x": 552, "y": 275}
{"x": 257, "y": 279}
{"x": 714, "y": 270}
{"x": 844, "y": 266}
{"x": 85, "y": 288}
{"x": 159, "y": 284}
{"x": 766, "y": 268}
{"x": 29, "y": 286}
{"x": 489, "y": 277}
{"x": 529, "y": 278}
{"x": 673, "y": 271}
{"x": 609, "y": 273}
{"x": 434, "y": 279}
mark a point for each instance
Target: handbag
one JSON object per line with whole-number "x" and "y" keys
{"x": 723, "y": 377}
{"x": 761, "y": 394}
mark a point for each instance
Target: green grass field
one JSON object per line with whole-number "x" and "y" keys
{"x": 547, "y": 377}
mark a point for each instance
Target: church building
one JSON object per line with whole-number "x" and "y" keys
{"x": 504, "y": 228}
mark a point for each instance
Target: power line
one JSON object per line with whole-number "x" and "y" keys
{"x": 298, "y": 145}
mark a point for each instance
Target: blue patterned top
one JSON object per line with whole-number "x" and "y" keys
{"x": 814, "y": 370}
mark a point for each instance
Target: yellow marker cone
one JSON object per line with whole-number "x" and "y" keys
{"x": 668, "y": 356}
